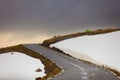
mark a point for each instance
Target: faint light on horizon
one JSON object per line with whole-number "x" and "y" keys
{"x": 11, "y": 39}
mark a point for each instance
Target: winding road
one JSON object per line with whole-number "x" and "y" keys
{"x": 73, "y": 69}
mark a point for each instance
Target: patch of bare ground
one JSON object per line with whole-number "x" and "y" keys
{"x": 51, "y": 69}
{"x": 48, "y": 42}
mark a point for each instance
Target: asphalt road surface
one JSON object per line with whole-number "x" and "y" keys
{"x": 73, "y": 69}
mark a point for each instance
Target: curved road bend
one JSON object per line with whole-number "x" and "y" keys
{"x": 73, "y": 69}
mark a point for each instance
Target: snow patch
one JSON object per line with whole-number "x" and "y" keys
{"x": 18, "y": 66}
{"x": 102, "y": 49}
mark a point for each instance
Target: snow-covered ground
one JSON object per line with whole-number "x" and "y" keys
{"x": 18, "y": 66}
{"x": 102, "y": 49}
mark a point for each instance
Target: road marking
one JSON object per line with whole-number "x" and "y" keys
{"x": 84, "y": 73}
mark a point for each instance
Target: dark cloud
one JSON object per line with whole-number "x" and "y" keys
{"x": 57, "y": 16}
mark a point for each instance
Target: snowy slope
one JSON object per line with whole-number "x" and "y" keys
{"x": 18, "y": 66}
{"x": 102, "y": 49}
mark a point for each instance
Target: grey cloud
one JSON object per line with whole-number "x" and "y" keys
{"x": 57, "y": 16}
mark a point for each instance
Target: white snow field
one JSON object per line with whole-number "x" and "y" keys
{"x": 18, "y": 66}
{"x": 102, "y": 49}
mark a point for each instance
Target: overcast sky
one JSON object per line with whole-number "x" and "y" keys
{"x": 35, "y": 20}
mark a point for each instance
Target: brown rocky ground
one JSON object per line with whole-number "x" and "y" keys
{"x": 87, "y": 32}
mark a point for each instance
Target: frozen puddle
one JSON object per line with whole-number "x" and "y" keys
{"x": 102, "y": 49}
{"x": 18, "y": 66}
